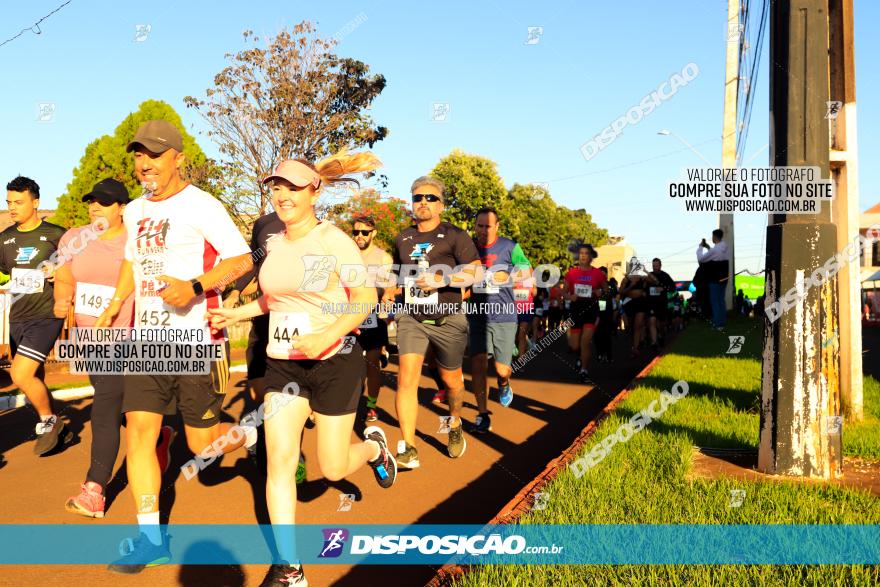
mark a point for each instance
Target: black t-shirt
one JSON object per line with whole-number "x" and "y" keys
{"x": 445, "y": 245}
{"x": 22, "y": 251}
{"x": 666, "y": 285}
{"x": 264, "y": 227}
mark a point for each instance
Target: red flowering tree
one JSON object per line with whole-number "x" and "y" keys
{"x": 392, "y": 215}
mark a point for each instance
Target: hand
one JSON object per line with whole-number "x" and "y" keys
{"x": 62, "y": 307}
{"x": 220, "y": 318}
{"x": 428, "y": 282}
{"x": 231, "y": 300}
{"x": 107, "y": 316}
{"x": 177, "y": 292}
{"x": 311, "y": 345}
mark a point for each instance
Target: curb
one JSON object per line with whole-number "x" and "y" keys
{"x": 12, "y": 402}
{"x": 520, "y": 503}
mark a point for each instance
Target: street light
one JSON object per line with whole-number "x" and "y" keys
{"x": 666, "y": 133}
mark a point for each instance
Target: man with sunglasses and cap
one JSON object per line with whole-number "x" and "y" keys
{"x": 181, "y": 244}
{"x": 373, "y": 335}
{"x": 437, "y": 260}
{"x": 25, "y": 250}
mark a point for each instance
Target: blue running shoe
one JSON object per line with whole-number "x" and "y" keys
{"x": 505, "y": 395}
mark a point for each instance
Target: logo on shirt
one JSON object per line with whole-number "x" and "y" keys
{"x": 26, "y": 254}
{"x": 9, "y": 242}
{"x": 151, "y": 233}
{"x": 421, "y": 250}
{"x": 334, "y": 540}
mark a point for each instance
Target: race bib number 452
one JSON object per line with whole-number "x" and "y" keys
{"x": 152, "y": 313}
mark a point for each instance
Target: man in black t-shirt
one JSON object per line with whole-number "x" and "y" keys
{"x": 660, "y": 284}
{"x": 26, "y": 255}
{"x": 432, "y": 314}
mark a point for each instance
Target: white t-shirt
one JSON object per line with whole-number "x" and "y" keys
{"x": 183, "y": 236}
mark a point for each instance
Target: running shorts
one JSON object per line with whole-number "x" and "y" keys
{"x": 34, "y": 338}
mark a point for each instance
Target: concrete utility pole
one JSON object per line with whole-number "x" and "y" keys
{"x": 800, "y": 384}
{"x": 845, "y": 210}
{"x": 728, "y": 134}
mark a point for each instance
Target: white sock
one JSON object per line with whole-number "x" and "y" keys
{"x": 149, "y": 525}
{"x": 378, "y": 450}
{"x": 250, "y": 435}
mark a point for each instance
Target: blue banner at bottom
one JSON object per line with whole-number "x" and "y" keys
{"x": 462, "y": 544}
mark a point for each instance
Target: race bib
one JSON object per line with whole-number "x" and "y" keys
{"x": 370, "y": 321}
{"x": 92, "y": 299}
{"x": 414, "y": 295}
{"x": 284, "y": 327}
{"x": 655, "y": 291}
{"x": 521, "y": 295}
{"x": 583, "y": 290}
{"x": 152, "y": 312}
{"x": 26, "y": 281}
{"x": 602, "y": 305}
{"x": 487, "y": 286}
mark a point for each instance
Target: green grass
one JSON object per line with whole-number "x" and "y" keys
{"x": 645, "y": 481}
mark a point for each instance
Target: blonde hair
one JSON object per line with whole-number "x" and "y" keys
{"x": 338, "y": 169}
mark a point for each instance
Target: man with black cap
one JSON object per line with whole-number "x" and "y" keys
{"x": 177, "y": 236}
{"x": 26, "y": 251}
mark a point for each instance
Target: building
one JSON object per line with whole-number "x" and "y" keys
{"x": 869, "y": 265}
{"x": 615, "y": 256}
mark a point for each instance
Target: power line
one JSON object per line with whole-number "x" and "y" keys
{"x": 36, "y": 25}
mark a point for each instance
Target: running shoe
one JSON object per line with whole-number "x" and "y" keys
{"x": 407, "y": 456}
{"x": 482, "y": 424}
{"x": 163, "y": 447}
{"x": 372, "y": 415}
{"x": 457, "y": 443}
{"x": 439, "y": 397}
{"x": 310, "y": 421}
{"x": 383, "y": 358}
{"x": 140, "y": 553}
{"x": 301, "y": 470}
{"x": 48, "y": 434}
{"x": 285, "y": 575}
{"x": 505, "y": 395}
{"x": 89, "y": 502}
{"x": 384, "y": 467}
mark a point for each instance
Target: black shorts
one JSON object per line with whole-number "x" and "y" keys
{"x": 374, "y": 338}
{"x": 256, "y": 349}
{"x": 584, "y": 315}
{"x": 554, "y": 315}
{"x": 636, "y": 306}
{"x": 657, "y": 308}
{"x": 333, "y": 387}
{"x": 198, "y": 397}
{"x": 34, "y": 338}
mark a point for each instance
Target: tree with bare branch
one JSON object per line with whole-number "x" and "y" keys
{"x": 293, "y": 98}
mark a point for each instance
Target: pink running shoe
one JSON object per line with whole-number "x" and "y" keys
{"x": 163, "y": 448}
{"x": 439, "y": 397}
{"x": 89, "y": 503}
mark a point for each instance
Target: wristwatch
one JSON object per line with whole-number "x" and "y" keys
{"x": 197, "y": 287}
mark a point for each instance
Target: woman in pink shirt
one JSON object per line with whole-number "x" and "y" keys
{"x": 88, "y": 280}
{"x": 314, "y": 290}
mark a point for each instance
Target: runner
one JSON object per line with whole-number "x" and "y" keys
{"x": 310, "y": 366}
{"x": 525, "y": 315}
{"x": 585, "y": 286}
{"x": 660, "y": 285}
{"x": 554, "y": 309}
{"x": 87, "y": 282}
{"x": 33, "y": 327}
{"x": 605, "y": 329}
{"x": 539, "y": 324}
{"x": 432, "y": 317}
{"x": 176, "y": 234}
{"x": 634, "y": 289}
{"x": 492, "y": 327}
{"x": 374, "y": 331}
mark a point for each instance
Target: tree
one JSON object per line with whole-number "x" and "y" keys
{"x": 392, "y": 215}
{"x": 471, "y": 183}
{"x": 105, "y": 157}
{"x": 293, "y": 98}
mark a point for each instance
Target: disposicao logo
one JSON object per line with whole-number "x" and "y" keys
{"x": 334, "y": 541}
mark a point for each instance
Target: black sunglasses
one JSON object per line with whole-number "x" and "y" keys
{"x": 361, "y": 232}
{"x": 416, "y": 198}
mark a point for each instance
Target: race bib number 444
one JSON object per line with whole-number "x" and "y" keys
{"x": 284, "y": 328}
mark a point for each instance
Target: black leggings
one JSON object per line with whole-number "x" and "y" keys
{"x": 107, "y": 417}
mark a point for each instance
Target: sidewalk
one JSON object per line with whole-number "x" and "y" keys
{"x": 549, "y": 410}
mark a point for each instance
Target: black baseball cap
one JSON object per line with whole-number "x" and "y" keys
{"x": 108, "y": 191}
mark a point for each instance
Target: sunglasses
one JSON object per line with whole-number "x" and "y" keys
{"x": 361, "y": 232}
{"x": 416, "y": 198}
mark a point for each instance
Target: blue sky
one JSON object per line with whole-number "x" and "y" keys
{"x": 529, "y": 107}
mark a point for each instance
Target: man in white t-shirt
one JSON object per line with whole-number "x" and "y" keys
{"x": 181, "y": 244}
